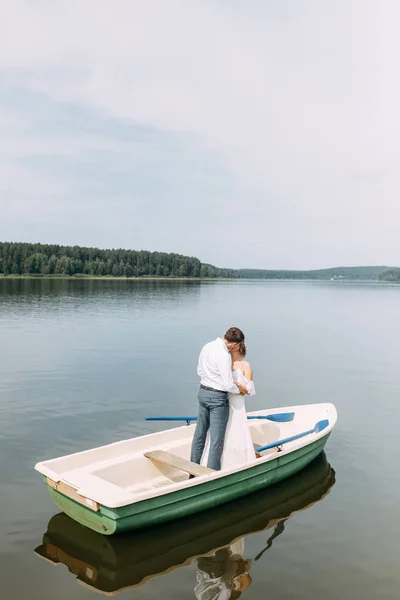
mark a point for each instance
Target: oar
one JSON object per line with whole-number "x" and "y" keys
{"x": 279, "y": 417}
{"x": 318, "y": 427}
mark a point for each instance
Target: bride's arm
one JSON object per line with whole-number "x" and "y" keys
{"x": 248, "y": 373}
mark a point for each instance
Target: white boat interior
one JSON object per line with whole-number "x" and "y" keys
{"x": 120, "y": 473}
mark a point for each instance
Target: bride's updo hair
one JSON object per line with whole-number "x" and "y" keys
{"x": 242, "y": 349}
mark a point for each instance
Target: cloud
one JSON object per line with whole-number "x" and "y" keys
{"x": 205, "y": 122}
{"x": 72, "y": 171}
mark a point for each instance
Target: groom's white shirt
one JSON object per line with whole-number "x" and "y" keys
{"x": 215, "y": 367}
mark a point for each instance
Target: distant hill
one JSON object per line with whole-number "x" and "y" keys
{"x": 332, "y": 273}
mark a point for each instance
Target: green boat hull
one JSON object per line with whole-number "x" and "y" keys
{"x": 111, "y": 564}
{"x": 191, "y": 500}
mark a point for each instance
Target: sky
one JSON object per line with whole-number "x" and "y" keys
{"x": 248, "y": 133}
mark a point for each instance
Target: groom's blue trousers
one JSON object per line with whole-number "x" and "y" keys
{"x": 213, "y": 415}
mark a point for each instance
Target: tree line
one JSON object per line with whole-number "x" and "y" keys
{"x": 391, "y": 275}
{"x": 47, "y": 259}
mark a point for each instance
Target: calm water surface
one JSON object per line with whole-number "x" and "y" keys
{"x": 83, "y": 362}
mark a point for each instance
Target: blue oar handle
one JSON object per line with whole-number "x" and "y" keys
{"x": 170, "y": 418}
{"x": 187, "y": 419}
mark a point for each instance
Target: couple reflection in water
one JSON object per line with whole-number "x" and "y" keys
{"x": 224, "y": 574}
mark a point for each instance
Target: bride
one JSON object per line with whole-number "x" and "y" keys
{"x": 238, "y": 445}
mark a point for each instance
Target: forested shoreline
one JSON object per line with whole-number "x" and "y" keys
{"x": 20, "y": 259}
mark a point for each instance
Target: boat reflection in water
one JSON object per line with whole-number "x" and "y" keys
{"x": 215, "y": 538}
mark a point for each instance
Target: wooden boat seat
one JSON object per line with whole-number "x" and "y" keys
{"x": 178, "y": 463}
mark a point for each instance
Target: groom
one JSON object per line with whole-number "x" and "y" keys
{"x": 215, "y": 371}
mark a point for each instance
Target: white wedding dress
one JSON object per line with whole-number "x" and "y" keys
{"x": 238, "y": 445}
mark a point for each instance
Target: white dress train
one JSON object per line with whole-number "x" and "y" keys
{"x": 238, "y": 445}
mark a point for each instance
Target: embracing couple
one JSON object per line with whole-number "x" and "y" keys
{"x": 222, "y": 437}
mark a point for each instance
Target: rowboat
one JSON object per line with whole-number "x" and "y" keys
{"x": 110, "y": 565}
{"x": 146, "y": 481}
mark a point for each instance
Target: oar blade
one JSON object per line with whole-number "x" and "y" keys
{"x": 278, "y": 417}
{"x": 321, "y": 425}
{"x": 281, "y": 417}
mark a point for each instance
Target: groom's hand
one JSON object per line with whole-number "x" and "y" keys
{"x": 242, "y": 388}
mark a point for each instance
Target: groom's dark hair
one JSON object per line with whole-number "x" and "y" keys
{"x": 234, "y": 335}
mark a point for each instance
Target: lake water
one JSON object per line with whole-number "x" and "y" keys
{"x": 83, "y": 362}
